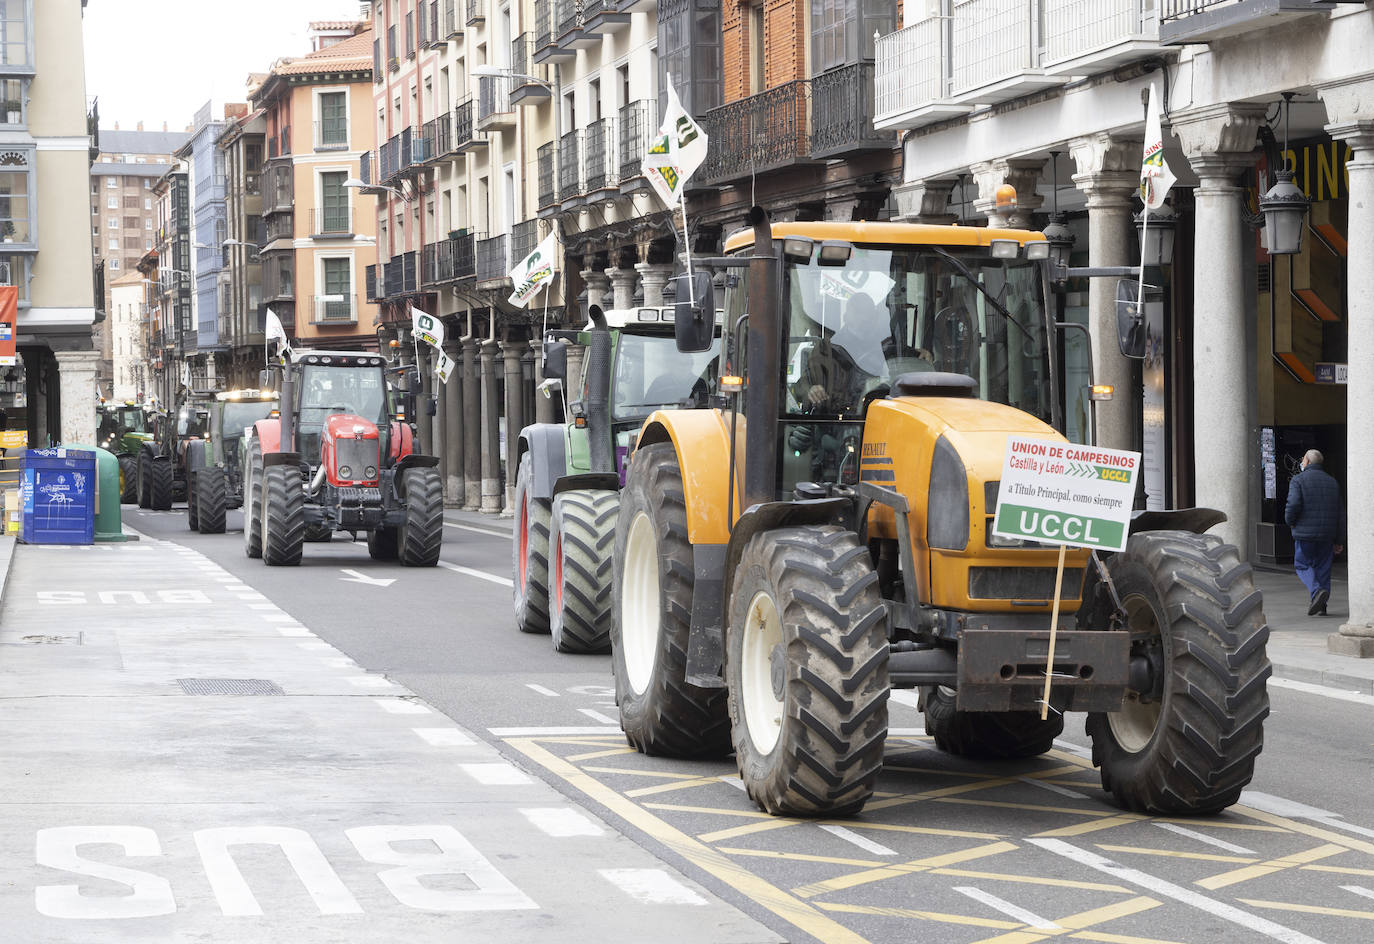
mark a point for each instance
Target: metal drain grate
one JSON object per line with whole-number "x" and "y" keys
{"x": 207, "y": 686}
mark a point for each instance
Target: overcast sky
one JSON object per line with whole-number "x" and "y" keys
{"x": 160, "y": 60}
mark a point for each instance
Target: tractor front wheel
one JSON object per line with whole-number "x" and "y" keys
{"x": 530, "y": 553}
{"x": 283, "y": 516}
{"x": 1189, "y": 746}
{"x": 987, "y": 735}
{"x": 192, "y": 515}
{"x": 660, "y": 711}
{"x": 252, "y": 500}
{"x": 210, "y": 492}
{"x": 806, "y": 668}
{"x": 421, "y": 536}
{"x": 160, "y": 484}
{"x": 128, "y": 479}
{"x": 581, "y": 543}
{"x": 144, "y": 483}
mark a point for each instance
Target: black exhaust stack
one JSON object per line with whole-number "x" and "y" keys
{"x": 763, "y": 368}
{"x": 599, "y": 392}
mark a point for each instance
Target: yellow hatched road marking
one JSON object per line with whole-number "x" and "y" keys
{"x": 1309, "y": 909}
{"x": 1110, "y": 821}
{"x": 746, "y": 814}
{"x": 597, "y": 755}
{"x": 781, "y": 822}
{"x": 1200, "y": 856}
{"x": 911, "y": 913}
{"x": 632, "y": 772}
{"x": 787, "y": 907}
{"x": 670, "y": 787}
{"x": 1339, "y": 870}
{"x": 1033, "y": 807}
{"x": 1215, "y": 824}
{"x": 734, "y": 833}
{"x": 1031, "y": 880}
{"x": 1079, "y": 922}
{"x": 1316, "y": 832}
{"x": 798, "y": 857}
{"x": 898, "y": 869}
{"x": 1236, "y": 876}
{"x": 1117, "y": 938}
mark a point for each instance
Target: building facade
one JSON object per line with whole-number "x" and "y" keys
{"x": 243, "y": 144}
{"x": 170, "y": 327}
{"x": 209, "y": 229}
{"x": 124, "y": 328}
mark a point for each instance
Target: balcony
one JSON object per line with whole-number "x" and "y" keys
{"x": 334, "y": 309}
{"x": 280, "y": 226}
{"x": 842, "y": 113}
{"x": 331, "y": 135}
{"x": 477, "y": 14}
{"x": 572, "y": 26}
{"x": 494, "y": 110}
{"x": 410, "y": 263}
{"x": 637, "y": 121}
{"x": 1088, "y": 36}
{"x": 493, "y": 262}
{"x": 523, "y": 238}
{"x": 570, "y": 169}
{"x": 371, "y": 283}
{"x": 603, "y": 17}
{"x": 756, "y": 134}
{"x": 438, "y": 136}
{"x": 464, "y": 256}
{"x": 281, "y": 190}
{"x": 416, "y": 151}
{"x": 547, "y": 47}
{"x": 331, "y": 222}
{"x": 389, "y": 163}
{"x": 1206, "y": 21}
{"x": 524, "y": 91}
{"x": 548, "y": 193}
{"x": 393, "y": 277}
{"x": 603, "y": 165}
{"x": 464, "y": 138}
{"x": 453, "y": 24}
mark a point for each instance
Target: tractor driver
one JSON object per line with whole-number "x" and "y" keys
{"x": 833, "y": 371}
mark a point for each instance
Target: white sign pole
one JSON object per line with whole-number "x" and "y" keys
{"x": 1054, "y": 633}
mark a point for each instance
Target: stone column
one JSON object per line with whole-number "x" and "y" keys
{"x": 1021, "y": 173}
{"x": 472, "y": 425}
{"x": 598, "y": 286}
{"x": 76, "y": 385}
{"x": 926, "y": 201}
{"x": 1219, "y": 142}
{"x": 511, "y": 352}
{"x": 438, "y": 427}
{"x": 491, "y": 431}
{"x": 543, "y": 405}
{"x": 529, "y": 381}
{"x": 654, "y": 277}
{"x": 1109, "y": 173}
{"x": 1351, "y": 108}
{"x": 452, "y": 410}
{"x": 622, "y": 287}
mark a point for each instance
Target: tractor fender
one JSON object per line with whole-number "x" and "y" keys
{"x": 411, "y": 461}
{"x": 270, "y": 459}
{"x": 609, "y": 481}
{"x": 195, "y": 454}
{"x": 770, "y": 515}
{"x": 701, "y": 439}
{"x": 547, "y": 445}
{"x": 1197, "y": 520}
{"x": 268, "y": 434}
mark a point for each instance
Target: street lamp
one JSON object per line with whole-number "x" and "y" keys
{"x": 489, "y": 71}
{"x": 1158, "y": 235}
{"x": 1285, "y": 205}
{"x": 357, "y": 184}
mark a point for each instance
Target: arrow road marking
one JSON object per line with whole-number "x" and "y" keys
{"x": 359, "y": 577}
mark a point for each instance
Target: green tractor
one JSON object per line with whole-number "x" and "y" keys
{"x": 569, "y": 476}
{"x": 214, "y": 463}
{"x": 123, "y": 429}
{"x": 162, "y": 461}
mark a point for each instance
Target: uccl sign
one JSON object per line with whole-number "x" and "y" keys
{"x": 1063, "y": 493}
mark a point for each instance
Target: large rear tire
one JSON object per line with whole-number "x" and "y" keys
{"x": 421, "y": 536}
{"x": 530, "y": 553}
{"x": 192, "y": 514}
{"x": 806, "y": 667}
{"x": 144, "y": 483}
{"x": 987, "y": 735}
{"x": 252, "y": 500}
{"x": 128, "y": 480}
{"x": 283, "y": 516}
{"x": 318, "y": 533}
{"x": 582, "y": 542}
{"x": 210, "y": 491}
{"x": 660, "y": 711}
{"x": 1191, "y": 599}
{"x": 160, "y": 483}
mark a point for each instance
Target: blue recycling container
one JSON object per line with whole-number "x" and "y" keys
{"x": 58, "y": 488}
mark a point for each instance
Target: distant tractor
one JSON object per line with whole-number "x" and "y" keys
{"x": 214, "y": 463}
{"x": 123, "y": 429}
{"x": 567, "y": 487}
{"x": 339, "y": 457}
{"x": 162, "y": 463}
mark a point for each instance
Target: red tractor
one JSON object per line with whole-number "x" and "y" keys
{"x": 340, "y": 458}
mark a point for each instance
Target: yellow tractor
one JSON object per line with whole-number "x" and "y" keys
{"x": 782, "y": 563}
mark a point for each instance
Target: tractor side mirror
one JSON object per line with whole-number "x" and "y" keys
{"x": 1130, "y": 320}
{"x": 267, "y": 379}
{"x": 694, "y": 315}
{"x": 555, "y": 360}
{"x": 431, "y": 406}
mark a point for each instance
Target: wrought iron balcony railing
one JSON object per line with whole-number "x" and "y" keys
{"x": 370, "y": 280}
{"x": 390, "y": 159}
{"x": 411, "y": 272}
{"x": 476, "y": 12}
{"x": 493, "y": 96}
{"x": 453, "y": 24}
{"x": 281, "y": 226}
{"x": 543, "y": 24}
{"x": 331, "y": 221}
{"x": 570, "y": 166}
{"x": 438, "y": 136}
{"x": 335, "y": 309}
{"x": 493, "y": 262}
{"x": 759, "y": 133}
{"x": 569, "y": 18}
{"x": 463, "y": 128}
{"x": 464, "y": 256}
{"x": 366, "y": 162}
{"x": 548, "y": 193}
{"x": 393, "y": 277}
{"x": 523, "y": 238}
{"x": 603, "y": 168}
{"x": 638, "y": 120}
{"x": 842, "y": 112}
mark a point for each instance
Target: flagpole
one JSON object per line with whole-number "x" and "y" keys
{"x": 1140, "y": 287}
{"x": 691, "y": 288}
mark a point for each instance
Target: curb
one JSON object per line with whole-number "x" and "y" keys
{"x": 7, "y": 546}
{"x": 1330, "y": 679}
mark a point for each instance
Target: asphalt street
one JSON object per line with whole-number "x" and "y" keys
{"x": 948, "y": 850}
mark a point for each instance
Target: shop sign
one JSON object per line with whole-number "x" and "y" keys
{"x": 1329, "y": 373}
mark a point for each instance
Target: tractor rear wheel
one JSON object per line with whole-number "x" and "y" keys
{"x": 421, "y": 537}
{"x": 987, "y": 735}
{"x": 660, "y": 711}
{"x": 283, "y": 516}
{"x": 806, "y": 669}
{"x": 128, "y": 479}
{"x": 252, "y": 500}
{"x": 144, "y": 482}
{"x": 211, "y": 494}
{"x": 1191, "y": 605}
{"x": 581, "y": 543}
{"x": 530, "y": 553}
{"x": 160, "y": 482}
{"x": 381, "y": 544}
{"x": 192, "y": 515}
{"x": 318, "y": 533}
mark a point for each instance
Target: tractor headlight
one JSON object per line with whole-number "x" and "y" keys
{"x": 345, "y": 472}
{"x": 947, "y": 519}
{"x": 370, "y": 472}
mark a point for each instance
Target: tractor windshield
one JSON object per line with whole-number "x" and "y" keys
{"x": 855, "y": 329}
{"x": 240, "y": 414}
{"x": 131, "y": 419}
{"x": 651, "y": 374}
{"x": 326, "y": 390}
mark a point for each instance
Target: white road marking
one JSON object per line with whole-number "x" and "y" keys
{"x": 496, "y": 775}
{"x": 1210, "y": 840}
{"x": 279, "y": 618}
{"x": 1325, "y": 691}
{"x": 444, "y": 737}
{"x": 734, "y": 781}
{"x": 314, "y": 646}
{"x": 1358, "y": 890}
{"x": 651, "y": 886}
{"x": 294, "y": 631}
{"x": 1053, "y": 788}
{"x": 1294, "y": 810}
{"x": 1071, "y": 748}
{"x": 262, "y": 606}
{"x": 369, "y": 681}
{"x": 561, "y": 822}
{"x": 848, "y": 835}
{"x": 232, "y": 891}
{"x": 480, "y": 575}
{"x": 547, "y": 732}
{"x": 540, "y": 689}
{"x": 401, "y": 706}
{"x": 467, "y": 527}
{"x": 598, "y": 716}
{"x": 904, "y": 696}
{"x": 357, "y": 576}
{"x": 1007, "y": 908}
{"x": 251, "y": 596}
{"x": 1187, "y": 896}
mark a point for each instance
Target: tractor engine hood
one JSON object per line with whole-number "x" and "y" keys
{"x": 350, "y": 451}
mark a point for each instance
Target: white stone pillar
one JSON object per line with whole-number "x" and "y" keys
{"x": 491, "y": 433}
{"x": 654, "y": 276}
{"x": 1219, "y": 142}
{"x": 76, "y": 380}
{"x": 1356, "y": 636}
{"x": 598, "y": 285}
{"x": 1108, "y": 174}
{"x": 622, "y": 287}
{"x": 1023, "y": 174}
{"x": 925, "y": 201}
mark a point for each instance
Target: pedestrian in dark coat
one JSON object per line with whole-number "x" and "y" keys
{"x": 1317, "y": 518}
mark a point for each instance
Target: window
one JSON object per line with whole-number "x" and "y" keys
{"x": 147, "y": 201}
{"x": 112, "y": 222}
{"x": 131, "y": 222}
{"x": 333, "y": 124}
{"x": 147, "y": 222}
{"x": 114, "y": 265}
{"x": 842, "y": 30}
{"x": 14, "y": 199}
{"x": 131, "y": 203}
{"x": 13, "y": 92}
{"x": 113, "y": 244}
{"x": 111, "y": 183}
{"x": 112, "y": 203}
{"x": 334, "y": 203}
{"x": 338, "y": 284}
{"x": 147, "y": 184}
{"x": 147, "y": 245}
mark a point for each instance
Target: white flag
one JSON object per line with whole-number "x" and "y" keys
{"x": 1155, "y": 176}
{"x": 443, "y": 365}
{"x": 427, "y": 327}
{"x": 275, "y": 332}
{"x": 186, "y": 374}
{"x": 676, "y": 153}
{"x": 534, "y": 272}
